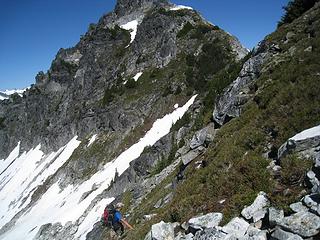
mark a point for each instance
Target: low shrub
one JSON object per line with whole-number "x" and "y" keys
{"x": 295, "y": 9}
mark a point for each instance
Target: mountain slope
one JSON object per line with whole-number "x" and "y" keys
{"x": 74, "y": 133}
{"x": 273, "y": 98}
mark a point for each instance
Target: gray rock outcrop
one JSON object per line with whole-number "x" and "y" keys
{"x": 298, "y": 207}
{"x": 230, "y": 103}
{"x": 280, "y": 234}
{"x": 305, "y": 143}
{"x": 203, "y": 136}
{"x": 275, "y": 216}
{"x": 209, "y": 220}
{"x": 305, "y": 224}
{"x": 161, "y": 231}
{"x": 237, "y": 227}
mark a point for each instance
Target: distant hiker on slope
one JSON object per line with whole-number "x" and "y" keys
{"x": 113, "y": 217}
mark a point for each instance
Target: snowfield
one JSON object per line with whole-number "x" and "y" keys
{"x": 22, "y": 174}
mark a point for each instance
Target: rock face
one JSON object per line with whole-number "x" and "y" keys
{"x": 230, "y": 103}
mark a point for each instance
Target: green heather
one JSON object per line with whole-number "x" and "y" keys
{"x": 287, "y": 102}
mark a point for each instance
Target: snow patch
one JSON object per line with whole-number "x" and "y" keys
{"x": 20, "y": 180}
{"x": 4, "y": 163}
{"x": 176, "y": 105}
{"x": 309, "y": 133}
{"x": 93, "y": 138}
{"x": 32, "y": 169}
{"x": 10, "y": 92}
{"x": 93, "y": 216}
{"x": 132, "y": 27}
{"x": 137, "y": 76}
{"x": 5, "y": 94}
{"x": 179, "y": 7}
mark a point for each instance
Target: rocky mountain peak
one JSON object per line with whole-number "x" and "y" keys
{"x": 124, "y": 7}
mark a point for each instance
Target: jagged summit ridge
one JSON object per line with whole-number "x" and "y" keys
{"x": 124, "y": 7}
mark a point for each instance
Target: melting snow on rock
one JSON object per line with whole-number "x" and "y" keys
{"x": 137, "y": 76}
{"x": 92, "y": 139}
{"x": 22, "y": 174}
{"x": 132, "y": 27}
{"x": 180, "y": 7}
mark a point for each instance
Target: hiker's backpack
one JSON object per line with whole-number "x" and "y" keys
{"x": 108, "y": 215}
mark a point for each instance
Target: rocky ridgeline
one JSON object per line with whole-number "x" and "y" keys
{"x": 260, "y": 220}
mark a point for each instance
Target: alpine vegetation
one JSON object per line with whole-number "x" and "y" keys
{"x": 159, "y": 125}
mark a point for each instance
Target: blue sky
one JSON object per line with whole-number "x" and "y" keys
{"x": 33, "y": 31}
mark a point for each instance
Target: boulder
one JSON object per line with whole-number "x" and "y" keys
{"x": 275, "y": 216}
{"x": 161, "y": 231}
{"x": 182, "y": 151}
{"x": 209, "y": 220}
{"x": 313, "y": 180}
{"x": 280, "y": 234}
{"x": 305, "y": 224}
{"x": 203, "y": 136}
{"x": 182, "y": 236}
{"x": 255, "y": 234}
{"x": 305, "y": 140}
{"x": 258, "y": 215}
{"x": 257, "y": 209}
{"x": 313, "y": 202}
{"x": 317, "y": 158}
{"x": 230, "y": 103}
{"x": 210, "y": 233}
{"x": 237, "y": 226}
{"x": 187, "y": 158}
{"x": 184, "y": 226}
{"x": 298, "y": 207}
